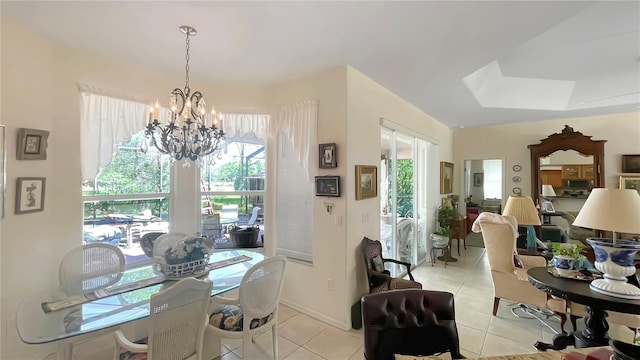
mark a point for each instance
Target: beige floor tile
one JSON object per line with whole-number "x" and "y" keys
{"x": 469, "y": 354}
{"x": 231, "y": 344}
{"x": 526, "y": 331}
{"x": 359, "y": 355}
{"x": 471, "y": 339}
{"x": 230, "y": 356}
{"x": 334, "y": 344}
{"x": 472, "y": 318}
{"x": 476, "y": 290}
{"x": 475, "y": 303}
{"x": 285, "y": 313}
{"x": 303, "y": 354}
{"x": 264, "y": 347}
{"x": 301, "y": 328}
{"x": 496, "y": 345}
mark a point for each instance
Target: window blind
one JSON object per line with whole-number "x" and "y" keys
{"x": 294, "y": 205}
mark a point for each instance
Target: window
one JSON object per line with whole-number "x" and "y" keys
{"x": 492, "y": 179}
{"x": 232, "y": 194}
{"x": 128, "y": 198}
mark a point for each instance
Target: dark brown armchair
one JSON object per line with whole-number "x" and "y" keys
{"x": 379, "y": 278}
{"x": 409, "y": 322}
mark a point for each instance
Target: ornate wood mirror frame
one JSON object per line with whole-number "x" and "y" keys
{"x": 568, "y": 139}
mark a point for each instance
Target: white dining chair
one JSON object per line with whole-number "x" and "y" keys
{"x": 254, "y": 216}
{"x": 177, "y": 319}
{"x": 255, "y": 310}
{"x": 90, "y": 267}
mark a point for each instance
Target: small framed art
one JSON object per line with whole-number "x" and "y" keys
{"x": 32, "y": 144}
{"x": 446, "y": 177}
{"x": 478, "y": 179}
{"x": 631, "y": 163}
{"x": 30, "y": 194}
{"x": 327, "y": 153}
{"x": 630, "y": 182}
{"x": 328, "y": 186}
{"x": 366, "y": 182}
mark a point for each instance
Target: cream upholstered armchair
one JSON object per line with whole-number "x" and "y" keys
{"x": 509, "y": 281}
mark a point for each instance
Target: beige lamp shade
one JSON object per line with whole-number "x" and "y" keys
{"x": 523, "y": 209}
{"x": 616, "y": 210}
{"x": 547, "y": 190}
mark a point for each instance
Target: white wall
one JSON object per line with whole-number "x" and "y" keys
{"x": 509, "y": 141}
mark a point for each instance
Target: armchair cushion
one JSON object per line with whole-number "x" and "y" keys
{"x": 230, "y": 318}
{"x": 378, "y": 264}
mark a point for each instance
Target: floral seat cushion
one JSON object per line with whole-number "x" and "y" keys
{"x": 130, "y": 355}
{"x": 230, "y": 318}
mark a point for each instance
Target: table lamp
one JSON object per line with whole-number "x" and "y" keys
{"x": 547, "y": 191}
{"x": 614, "y": 210}
{"x": 525, "y": 212}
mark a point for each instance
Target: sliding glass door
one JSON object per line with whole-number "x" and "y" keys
{"x": 403, "y": 210}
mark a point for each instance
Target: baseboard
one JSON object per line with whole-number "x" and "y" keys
{"x": 314, "y": 314}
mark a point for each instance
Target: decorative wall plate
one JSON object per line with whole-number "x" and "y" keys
{"x": 517, "y": 168}
{"x": 516, "y": 179}
{"x": 517, "y": 190}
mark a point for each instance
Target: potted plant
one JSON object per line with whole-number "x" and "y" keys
{"x": 567, "y": 257}
{"x": 441, "y": 237}
{"x": 447, "y": 216}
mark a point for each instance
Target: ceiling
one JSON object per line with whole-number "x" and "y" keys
{"x": 464, "y": 63}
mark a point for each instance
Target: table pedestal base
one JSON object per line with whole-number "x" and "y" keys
{"x": 595, "y": 333}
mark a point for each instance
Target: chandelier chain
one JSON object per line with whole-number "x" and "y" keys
{"x": 186, "y": 68}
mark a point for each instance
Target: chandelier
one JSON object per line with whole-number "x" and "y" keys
{"x": 189, "y": 133}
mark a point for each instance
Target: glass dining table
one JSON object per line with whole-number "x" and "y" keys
{"x": 67, "y": 325}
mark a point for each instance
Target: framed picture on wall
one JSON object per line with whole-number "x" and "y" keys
{"x": 32, "y": 144}
{"x": 631, "y": 163}
{"x": 366, "y": 182}
{"x": 630, "y": 182}
{"x": 446, "y": 177}
{"x": 327, "y": 154}
{"x": 328, "y": 186}
{"x": 478, "y": 179}
{"x": 30, "y": 194}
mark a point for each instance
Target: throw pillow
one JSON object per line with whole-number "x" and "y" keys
{"x": 378, "y": 265}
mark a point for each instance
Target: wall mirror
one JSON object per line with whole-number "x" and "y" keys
{"x": 571, "y": 161}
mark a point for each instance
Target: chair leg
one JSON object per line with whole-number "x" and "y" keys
{"x": 496, "y": 302}
{"x": 573, "y": 321}
{"x": 563, "y": 320}
{"x": 274, "y": 333}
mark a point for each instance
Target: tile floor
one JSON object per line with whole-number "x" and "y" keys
{"x": 304, "y": 338}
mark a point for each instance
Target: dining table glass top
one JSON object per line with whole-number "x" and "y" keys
{"x": 35, "y": 326}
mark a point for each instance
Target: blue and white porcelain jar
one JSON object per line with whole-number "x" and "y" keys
{"x": 564, "y": 264}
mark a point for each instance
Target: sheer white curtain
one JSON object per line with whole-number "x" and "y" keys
{"x": 104, "y": 123}
{"x": 246, "y": 127}
{"x": 298, "y": 122}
